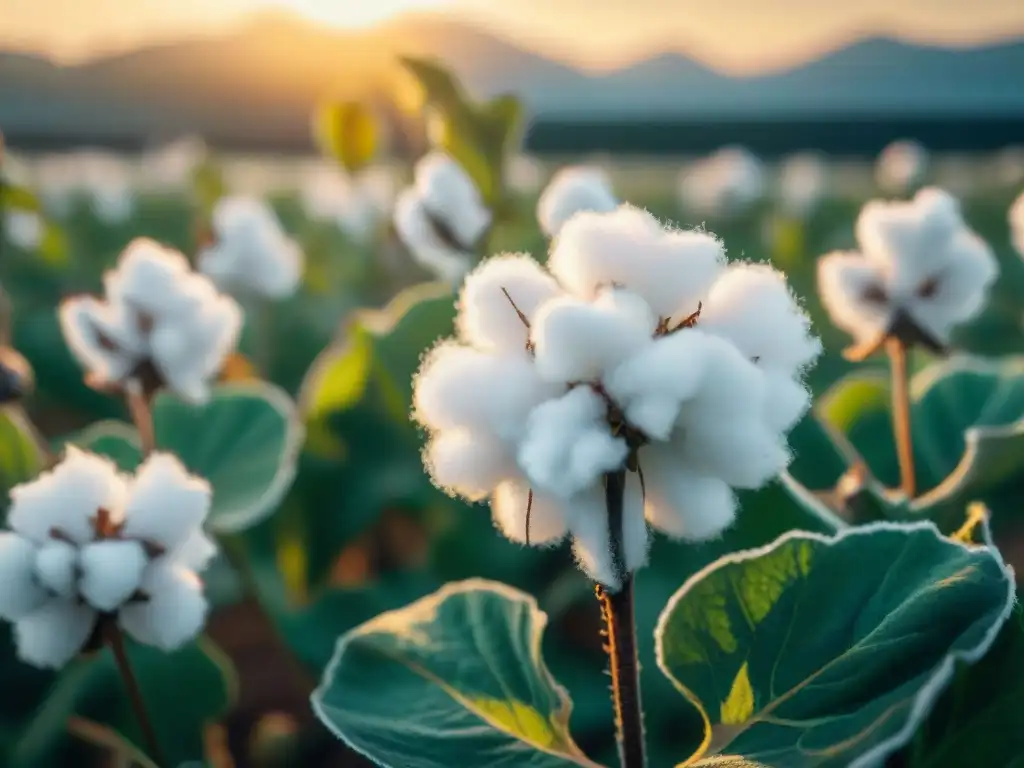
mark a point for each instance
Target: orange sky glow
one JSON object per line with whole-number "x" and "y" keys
{"x": 729, "y": 34}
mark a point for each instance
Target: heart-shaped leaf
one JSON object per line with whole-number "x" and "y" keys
{"x": 819, "y": 651}
{"x": 183, "y": 692}
{"x": 466, "y": 685}
{"x": 245, "y": 441}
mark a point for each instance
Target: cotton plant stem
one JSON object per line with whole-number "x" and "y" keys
{"x": 141, "y": 413}
{"x": 620, "y": 633}
{"x": 115, "y": 640}
{"x": 901, "y": 415}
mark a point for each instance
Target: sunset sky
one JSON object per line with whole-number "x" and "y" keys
{"x": 729, "y": 34}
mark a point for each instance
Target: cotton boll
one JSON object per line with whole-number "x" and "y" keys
{"x": 460, "y": 387}
{"x": 67, "y": 497}
{"x": 54, "y": 633}
{"x": 465, "y": 464}
{"x": 166, "y": 504}
{"x": 802, "y": 183}
{"x": 111, "y": 572}
{"x": 568, "y": 446}
{"x": 752, "y": 306}
{"x": 787, "y": 401}
{"x": 572, "y": 190}
{"x": 448, "y": 192}
{"x": 844, "y": 282}
{"x": 418, "y": 234}
{"x": 671, "y": 270}
{"x": 174, "y": 613}
{"x": 587, "y": 514}
{"x": 251, "y": 252}
{"x": 486, "y": 317}
{"x": 682, "y": 503}
{"x": 19, "y": 591}
{"x": 509, "y": 505}
{"x": 579, "y": 341}
{"x": 55, "y": 568}
{"x": 24, "y": 229}
{"x": 725, "y": 183}
{"x": 901, "y": 166}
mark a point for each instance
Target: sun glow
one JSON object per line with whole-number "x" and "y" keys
{"x": 354, "y": 13}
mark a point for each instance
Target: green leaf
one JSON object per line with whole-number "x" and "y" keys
{"x": 477, "y": 136}
{"x": 974, "y": 721}
{"x": 244, "y": 441}
{"x": 829, "y": 652}
{"x": 967, "y": 423}
{"x": 17, "y": 198}
{"x": 183, "y": 692}
{"x": 347, "y": 132}
{"x": 20, "y": 457}
{"x": 466, "y": 684}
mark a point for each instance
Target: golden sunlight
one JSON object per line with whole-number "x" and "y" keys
{"x": 355, "y": 13}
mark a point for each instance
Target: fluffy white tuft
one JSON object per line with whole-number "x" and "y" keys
{"x": 24, "y": 229}
{"x": 251, "y": 253}
{"x": 467, "y": 464}
{"x": 510, "y": 502}
{"x": 572, "y": 190}
{"x": 55, "y": 568}
{"x": 901, "y": 166}
{"x": 918, "y": 258}
{"x": 723, "y": 184}
{"x": 357, "y": 206}
{"x": 20, "y": 593}
{"x": 54, "y": 633}
{"x": 802, "y": 183}
{"x": 111, "y": 571}
{"x": 166, "y": 505}
{"x": 429, "y": 247}
{"x": 568, "y": 445}
{"x": 174, "y": 613}
{"x": 669, "y": 269}
{"x": 66, "y": 498}
{"x": 487, "y": 318}
{"x": 683, "y": 504}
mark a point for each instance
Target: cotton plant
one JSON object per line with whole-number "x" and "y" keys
{"x": 726, "y": 183}
{"x": 901, "y": 167}
{"x": 571, "y": 190}
{"x": 91, "y": 550}
{"x": 355, "y": 205}
{"x": 160, "y": 324}
{"x": 171, "y": 166}
{"x": 249, "y": 252}
{"x": 442, "y": 219}
{"x": 802, "y": 184}
{"x": 920, "y": 271}
{"x": 108, "y": 185}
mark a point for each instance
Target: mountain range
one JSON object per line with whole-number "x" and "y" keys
{"x": 259, "y": 81}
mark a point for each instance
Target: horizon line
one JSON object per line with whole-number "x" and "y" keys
{"x": 692, "y": 50}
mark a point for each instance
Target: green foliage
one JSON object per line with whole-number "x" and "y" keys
{"x": 20, "y": 456}
{"x": 967, "y": 422}
{"x": 184, "y": 691}
{"x": 466, "y": 682}
{"x": 347, "y": 132}
{"x": 828, "y": 652}
{"x": 478, "y": 136}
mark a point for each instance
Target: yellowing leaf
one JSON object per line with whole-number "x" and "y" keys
{"x": 347, "y": 132}
{"x": 519, "y": 718}
{"x": 739, "y": 704}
